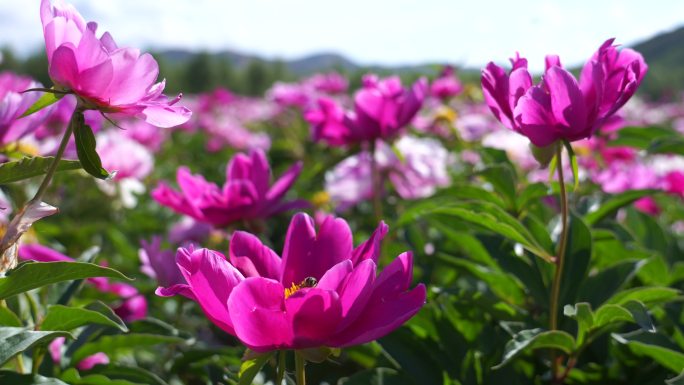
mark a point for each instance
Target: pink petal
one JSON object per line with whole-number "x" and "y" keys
{"x": 257, "y": 308}
{"x": 252, "y": 258}
{"x": 370, "y": 249}
{"x": 315, "y": 316}
{"x": 212, "y": 279}
{"x": 306, "y": 254}
{"x": 283, "y": 184}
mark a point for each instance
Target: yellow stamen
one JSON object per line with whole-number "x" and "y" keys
{"x": 292, "y": 289}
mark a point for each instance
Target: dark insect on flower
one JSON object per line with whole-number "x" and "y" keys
{"x": 309, "y": 282}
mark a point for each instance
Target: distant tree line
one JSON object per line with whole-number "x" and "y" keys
{"x": 203, "y": 71}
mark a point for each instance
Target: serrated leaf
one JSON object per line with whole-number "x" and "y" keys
{"x": 85, "y": 148}
{"x": 32, "y": 166}
{"x": 45, "y": 100}
{"x": 251, "y": 366}
{"x": 66, "y": 318}
{"x": 32, "y": 275}
{"x": 533, "y": 339}
{"x": 111, "y": 344}
{"x": 15, "y": 340}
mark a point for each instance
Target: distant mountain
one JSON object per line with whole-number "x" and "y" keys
{"x": 664, "y": 55}
{"x": 306, "y": 65}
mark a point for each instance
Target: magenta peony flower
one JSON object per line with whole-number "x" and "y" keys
{"x": 322, "y": 292}
{"x": 382, "y": 108}
{"x": 158, "y": 264}
{"x": 446, "y": 85}
{"x": 246, "y": 194}
{"x": 133, "y": 305}
{"x": 560, "y": 107}
{"x": 104, "y": 76}
{"x": 13, "y": 104}
{"x": 87, "y": 363}
{"x": 420, "y": 168}
{"x": 330, "y": 83}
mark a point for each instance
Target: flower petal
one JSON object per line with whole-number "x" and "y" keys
{"x": 257, "y": 308}
{"x": 212, "y": 279}
{"x": 252, "y": 258}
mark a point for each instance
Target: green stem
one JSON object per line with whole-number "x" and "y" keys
{"x": 555, "y": 289}
{"x": 58, "y": 156}
{"x": 38, "y": 355}
{"x": 376, "y": 184}
{"x": 282, "y": 355}
{"x": 300, "y": 364}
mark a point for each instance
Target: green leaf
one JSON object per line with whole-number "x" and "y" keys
{"x": 504, "y": 285}
{"x": 484, "y": 214}
{"x": 13, "y": 378}
{"x": 598, "y": 288}
{"x": 15, "y": 340}
{"x": 251, "y": 366}
{"x": 584, "y": 316}
{"x": 68, "y": 318}
{"x": 503, "y": 180}
{"x": 32, "y": 275}
{"x": 128, "y": 373}
{"x": 377, "y": 376}
{"x": 608, "y": 314}
{"x": 654, "y": 346}
{"x": 8, "y": 318}
{"x": 615, "y": 203}
{"x": 671, "y": 145}
{"x": 641, "y": 137}
{"x": 73, "y": 377}
{"x": 533, "y": 339}
{"x": 32, "y": 166}
{"x": 85, "y": 148}
{"x": 679, "y": 380}
{"x": 111, "y": 344}
{"x": 647, "y": 295}
{"x": 45, "y": 100}
{"x": 640, "y": 315}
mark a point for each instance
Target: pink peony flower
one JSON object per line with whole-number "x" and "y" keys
{"x": 322, "y": 292}
{"x": 446, "y": 85}
{"x": 13, "y": 104}
{"x": 246, "y": 194}
{"x": 158, "y": 264}
{"x": 560, "y": 107}
{"x": 382, "y": 108}
{"x": 420, "y": 168}
{"x": 87, "y": 363}
{"x": 130, "y": 159}
{"x": 104, "y": 76}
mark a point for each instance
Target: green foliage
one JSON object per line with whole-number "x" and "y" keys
{"x": 30, "y": 167}
{"x": 15, "y": 340}
{"x": 32, "y": 275}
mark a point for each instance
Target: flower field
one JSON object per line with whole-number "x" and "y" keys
{"x": 523, "y": 229}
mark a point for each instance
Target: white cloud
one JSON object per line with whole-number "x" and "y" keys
{"x": 368, "y": 31}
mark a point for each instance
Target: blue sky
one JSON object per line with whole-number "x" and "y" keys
{"x": 468, "y": 33}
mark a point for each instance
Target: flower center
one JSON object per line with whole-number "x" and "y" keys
{"x": 307, "y": 282}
